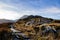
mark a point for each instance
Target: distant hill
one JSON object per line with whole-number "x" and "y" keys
{"x": 4, "y": 24}
{"x": 5, "y": 21}
{"x": 29, "y": 25}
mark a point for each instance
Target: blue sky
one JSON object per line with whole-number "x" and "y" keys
{"x": 14, "y": 9}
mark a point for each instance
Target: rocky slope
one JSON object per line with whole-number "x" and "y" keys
{"x": 31, "y": 27}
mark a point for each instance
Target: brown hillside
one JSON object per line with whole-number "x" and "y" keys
{"x": 30, "y": 26}
{"x": 5, "y": 31}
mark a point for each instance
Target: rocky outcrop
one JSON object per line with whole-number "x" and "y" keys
{"x": 31, "y": 27}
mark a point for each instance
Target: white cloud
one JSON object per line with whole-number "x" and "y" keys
{"x": 5, "y": 14}
{"x": 8, "y": 14}
{"x": 11, "y": 14}
{"x": 50, "y": 10}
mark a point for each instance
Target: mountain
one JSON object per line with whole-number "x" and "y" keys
{"x": 5, "y": 21}
{"x": 32, "y": 21}
{"x": 31, "y": 26}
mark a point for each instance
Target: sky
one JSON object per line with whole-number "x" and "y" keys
{"x": 14, "y": 9}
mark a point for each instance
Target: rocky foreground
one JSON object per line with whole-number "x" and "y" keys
{"x": 31, "y": 28}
